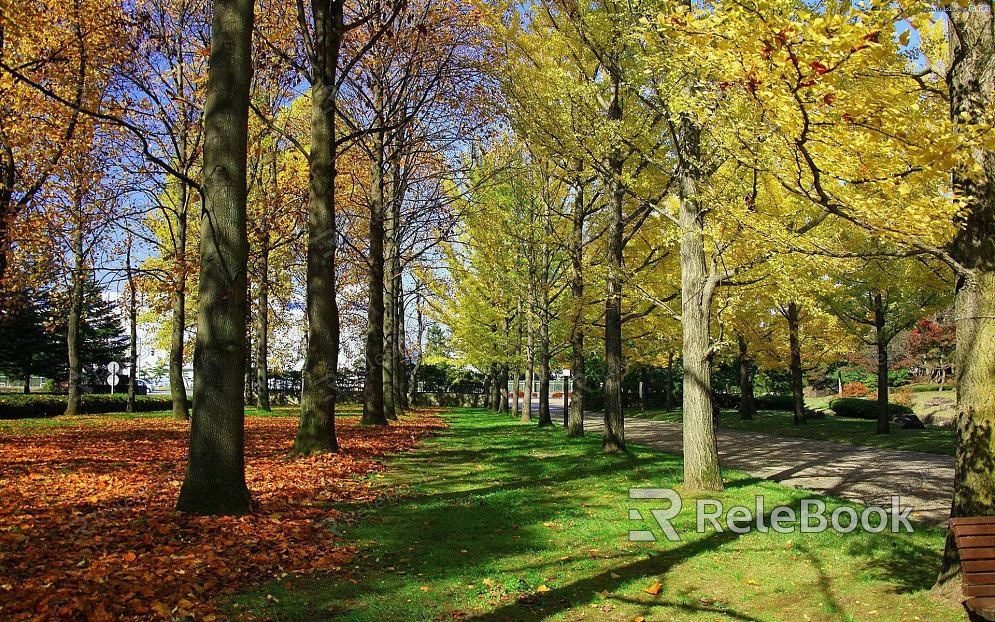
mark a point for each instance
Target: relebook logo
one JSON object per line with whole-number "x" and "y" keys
{"x": 810, "y": 517}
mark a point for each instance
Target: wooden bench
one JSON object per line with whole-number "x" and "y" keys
{"x": 975, "y": 538}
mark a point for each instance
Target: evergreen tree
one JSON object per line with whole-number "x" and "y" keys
{"x": 30, "y": 344}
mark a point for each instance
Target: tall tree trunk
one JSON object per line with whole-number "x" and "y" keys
{"x": 262, "y": 330}
{"x": 177, "y": 382}
{"x": 747, "y": 401}
{"x": 316, "y": 432}
{"x": 701, "y": 459}
{"x": 389, "y": 326}
{"x": 575, "y": 416}
{"x": 970, "y": 77}
{"x": 881, "y": 343}
{"x": 642, "y": 391}
{"x": 529, "y": 368}
{"x": 544, "y": 415}
{"x": 797, "y": 382}
{"x": 215, "y": 477}
{"x": 374, "y": 403}
{"x": 74, "y": 337}
{"x": 132, "y": 331}
{"x": 669, "y": 395}
{"x": 516, "y": 408}
{"x": 416, "y": 367}
{"x": 26, "y": 387}
{"x": 503, "y": 369}
{"x": 613, "y": 438}
{"x": 397, "y": 348}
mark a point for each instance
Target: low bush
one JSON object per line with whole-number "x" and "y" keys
{"x": 775, "y": 402}
{"x": 42, "y": 406}
{"x": 855, "y": 389}
{"x": 864, "y": 409}
{"x": 902, "y": 396}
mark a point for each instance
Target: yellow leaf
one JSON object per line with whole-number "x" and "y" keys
{"x": 542, "y": 589}
{"x": 653, "y": 589}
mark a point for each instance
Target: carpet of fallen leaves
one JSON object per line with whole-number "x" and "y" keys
{"x": 88, "y": 530}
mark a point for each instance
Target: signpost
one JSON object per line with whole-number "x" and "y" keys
{"x": 112, "y": 379}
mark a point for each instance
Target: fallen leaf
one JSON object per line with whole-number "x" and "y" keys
{"x": 653, "y": 589}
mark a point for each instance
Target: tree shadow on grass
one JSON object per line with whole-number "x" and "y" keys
{"x": 453, "y": 523}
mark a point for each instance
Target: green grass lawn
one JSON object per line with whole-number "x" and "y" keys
{"x": 498, "y": 520}
{"x": 934, "y": 440}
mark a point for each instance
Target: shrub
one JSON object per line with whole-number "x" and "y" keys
{"x": 41, "y": 406}
{"x": 903, "y": 397}
{"x": 776, "y": 402}
{"x": 864, "y": 409}
{"x": 855, "y": 389}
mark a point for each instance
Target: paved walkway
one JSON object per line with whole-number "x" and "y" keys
{"x": 863, "y": 474}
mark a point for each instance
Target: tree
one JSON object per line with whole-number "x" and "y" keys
{"x": 215, "y": 477}
{"x": 30, "y": 344}
{"x": 881, "y": 300}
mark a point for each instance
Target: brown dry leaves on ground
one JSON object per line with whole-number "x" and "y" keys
{"x": 88, "y": 530}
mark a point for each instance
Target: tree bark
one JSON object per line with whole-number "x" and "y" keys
{"x": 316, "y": 432}
{"x": 669, "y": 395}
{"x": 132, "y": 331}
{"x": 26, "y": 387}
{"x": 215, "y": 477}
{"x": 374, "y": 403}
{"x": 881, "y": 344}
{"x": 262, "y": 330}
{"x": 747, "y": 400}
{"x": 544, "y": 416}
{"x": 970, "y": 77}
{"x": 701, "y": 460}
{"x": 613, "y": 438}
{"x": 75, "y": 320}
{"x": 529, "y": 370}
{"x": 575, "y": 415}
{"x": 177, "y": 383}
{"x": 794, "y": 344}
{"x": 415, "y": 368}
{"x": 389, "y": 326}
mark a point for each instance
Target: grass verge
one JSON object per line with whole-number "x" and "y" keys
{"x": 495, "y": 520}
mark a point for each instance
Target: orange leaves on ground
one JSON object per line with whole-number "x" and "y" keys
{"x": 88, "y": 530}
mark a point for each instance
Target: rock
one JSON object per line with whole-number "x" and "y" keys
{"x": 909, "y": 422}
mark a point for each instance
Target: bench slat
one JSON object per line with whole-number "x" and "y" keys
{"x": 979, "y": 590}
{"x": 979, "y": 578}
{"x": 984, "y": 607}
{"x": 981, "y": 565}
{"x": 977, "y": 553}
{"x": 971, "y": 520}
{"x": 984, "y": 529}
{"x": 970, "y": 542}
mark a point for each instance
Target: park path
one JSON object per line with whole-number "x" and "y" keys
{"x": 867, "y": 475}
